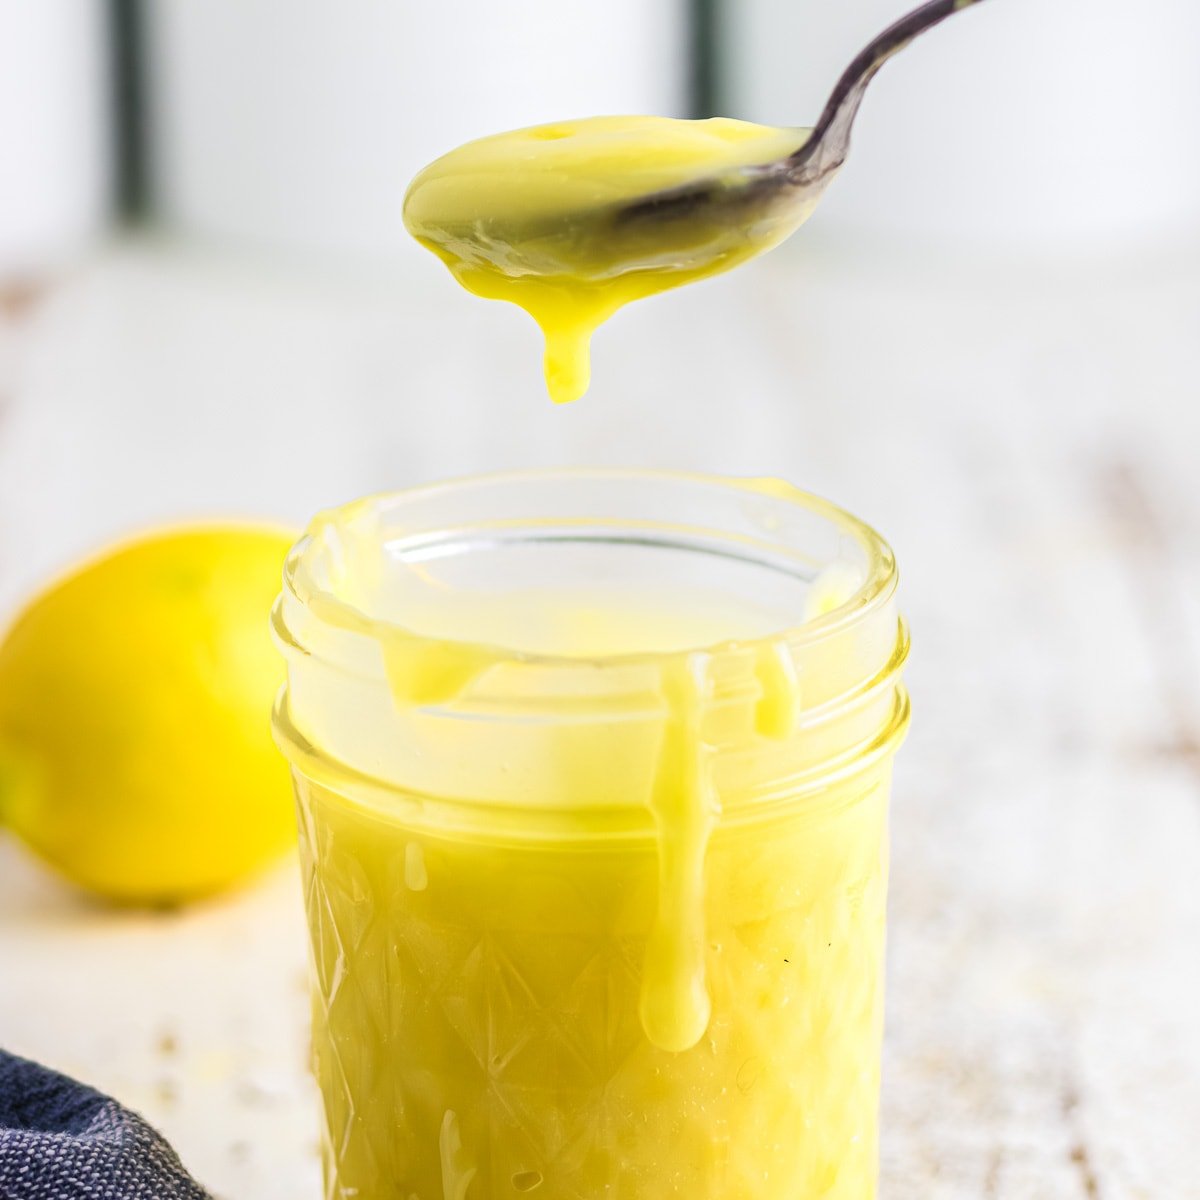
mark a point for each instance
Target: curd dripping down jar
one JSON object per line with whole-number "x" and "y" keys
{"x": 592, "y": 772}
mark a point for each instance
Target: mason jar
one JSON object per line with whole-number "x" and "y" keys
{"x": 593, "y": 772}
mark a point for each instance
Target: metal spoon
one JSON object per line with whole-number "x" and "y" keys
{"x": 798, "y": 180}
{"x": 649, "y": 242}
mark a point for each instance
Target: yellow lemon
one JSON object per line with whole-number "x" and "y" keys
{"x": 135, "y": 697}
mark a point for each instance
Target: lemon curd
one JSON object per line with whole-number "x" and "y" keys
{"x": 593, "y": 772}
{"x": 549, "y": 219}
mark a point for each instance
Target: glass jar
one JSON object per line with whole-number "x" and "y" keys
{"x": 593, "y": 772}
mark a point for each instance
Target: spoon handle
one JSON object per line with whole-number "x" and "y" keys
{"x": 826, "y": 148}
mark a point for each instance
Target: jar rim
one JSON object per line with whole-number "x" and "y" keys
{"x": 876, "y": 588}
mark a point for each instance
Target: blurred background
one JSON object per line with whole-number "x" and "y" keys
{"x": 986, "y": 342}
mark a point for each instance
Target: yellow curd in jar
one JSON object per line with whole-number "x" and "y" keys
{"x": 595, "y": 871}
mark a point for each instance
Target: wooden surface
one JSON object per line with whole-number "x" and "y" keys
{"x": 1025, "y": 435}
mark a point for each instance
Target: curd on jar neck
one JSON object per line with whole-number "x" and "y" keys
{"x": 541, "y": 217}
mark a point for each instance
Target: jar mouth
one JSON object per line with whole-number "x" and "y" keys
{"x": 396, "y": 612}
{"x": 778, "y": 537}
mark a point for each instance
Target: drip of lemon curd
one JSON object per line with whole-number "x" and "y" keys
{"x": 675, "y": 1006}
{"x": 427, "y": 662}
{"x": 547, "y": 219}
{"x": 432, "y": 667}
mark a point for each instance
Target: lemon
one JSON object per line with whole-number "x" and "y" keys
{"x": 135, "y": 697}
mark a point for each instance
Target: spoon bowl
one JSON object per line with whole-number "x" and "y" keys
{"x": 574, "y": 220}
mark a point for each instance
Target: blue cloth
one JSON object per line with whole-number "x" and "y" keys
{"x": 60, "y": 1140}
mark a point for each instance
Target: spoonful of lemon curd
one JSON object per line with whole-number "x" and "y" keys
{"x": 574, "y": 220}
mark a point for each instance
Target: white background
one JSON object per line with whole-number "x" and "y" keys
{"x": 1018, "y": 414}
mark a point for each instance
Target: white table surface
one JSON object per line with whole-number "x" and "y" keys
{"x": 1025, "y": 435}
